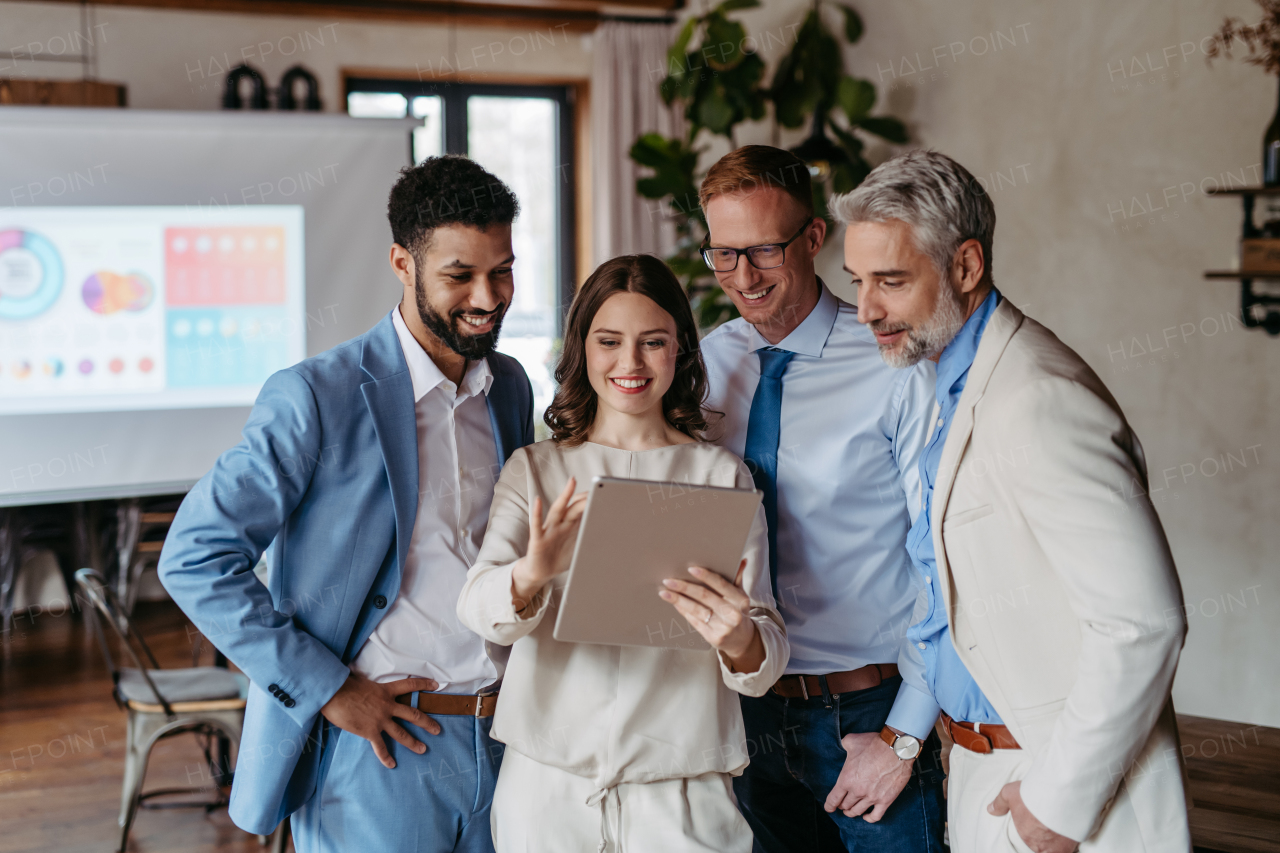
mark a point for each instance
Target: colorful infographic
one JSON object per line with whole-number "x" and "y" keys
{"x": 118, "y": 308}
{"x": 106, "y": 292}
{"x": 30, "y": 274}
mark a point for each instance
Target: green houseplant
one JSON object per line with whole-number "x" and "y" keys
{"x": 718, "y": 78}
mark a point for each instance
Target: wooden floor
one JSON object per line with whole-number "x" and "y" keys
{"x": 62, "y": 745}
{"x": 62, "y": 754}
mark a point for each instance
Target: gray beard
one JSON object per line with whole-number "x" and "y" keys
{"x": 930, "y": 338}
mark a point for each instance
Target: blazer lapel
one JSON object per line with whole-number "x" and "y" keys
{"x": 1004, "y": 321}
{"x": 504, "y": 411}
{"x": 389, "y": 397}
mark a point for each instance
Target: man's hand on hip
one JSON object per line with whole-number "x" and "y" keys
{"x": 871, "y": 779}
{"x": 1037, "y": 836}
{"x": 368, "y": 709}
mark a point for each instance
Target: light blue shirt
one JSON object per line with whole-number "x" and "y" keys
{"x": 852, "y": 430}
{"x": 948, "y": 686}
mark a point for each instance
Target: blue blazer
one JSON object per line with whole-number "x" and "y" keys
{"x": 328, "y": 471}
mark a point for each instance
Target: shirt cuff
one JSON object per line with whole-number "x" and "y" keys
{"x": 533, "y": 611}
{"x": 776, "y": 654}
{"x": 913, "y": 712}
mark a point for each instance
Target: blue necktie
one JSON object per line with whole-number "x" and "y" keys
{"x": 763, "y": 426}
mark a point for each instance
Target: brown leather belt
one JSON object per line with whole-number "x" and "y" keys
{"x": 447, "y": 704}
{"x": 978, "y": 737}
{"x": 810, "y": 686}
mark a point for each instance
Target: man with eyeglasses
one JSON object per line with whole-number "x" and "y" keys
{"x": 832, "y": 436}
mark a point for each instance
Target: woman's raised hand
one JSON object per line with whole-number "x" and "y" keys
{"x": 549, "y": 540}
{"x": 721, "y": 613}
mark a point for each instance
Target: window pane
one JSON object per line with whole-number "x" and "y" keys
{"x": 428, "y": 140}
{"x": 376, "y": 105}
{"x": 515, "y": 138}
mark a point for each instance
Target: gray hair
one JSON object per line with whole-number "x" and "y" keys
{"x": 944, "y": 204}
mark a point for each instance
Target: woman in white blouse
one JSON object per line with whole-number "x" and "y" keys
{"x": 617, "y": 747}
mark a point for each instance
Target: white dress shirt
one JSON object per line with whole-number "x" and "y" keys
{"x": 457, "y": 469}
{"x": 852, "y": 430}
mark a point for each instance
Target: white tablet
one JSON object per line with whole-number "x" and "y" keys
{"x": 636, "y": 533}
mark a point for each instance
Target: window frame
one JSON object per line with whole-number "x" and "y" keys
{"x": 454, "y": 96}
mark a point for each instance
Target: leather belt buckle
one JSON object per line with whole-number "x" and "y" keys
{"x": 479, "y": 706}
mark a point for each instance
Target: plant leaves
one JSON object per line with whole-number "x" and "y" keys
{"x": 722, "y": 45}
{"x": 852, "y": 24}
{"x": 885, "y": 126}
{"x": 847, "y": 176}
{"x": 689, "y": 83}
{"x": 675, "y": 54}
{"x": 668, "y": 89}
{"x": 653, "y": 150}
{"x": 855, "y": 97}
{"x": 847, "y": 140}
{"x": 715, "y": 113}
{"x": 807, "y": 77}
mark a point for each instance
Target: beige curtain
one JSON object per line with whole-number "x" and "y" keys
{"x": 629, "y": 61}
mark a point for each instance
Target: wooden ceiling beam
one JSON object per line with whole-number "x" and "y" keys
{"x": 574, "y": 15}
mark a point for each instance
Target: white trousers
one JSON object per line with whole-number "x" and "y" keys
{"x": 975, "y": 780}
{"x": 542, "y": 809}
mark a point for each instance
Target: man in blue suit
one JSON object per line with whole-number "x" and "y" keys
{"x": 369, "y": 469}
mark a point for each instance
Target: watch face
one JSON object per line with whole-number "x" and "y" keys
{"x": 906, "y": 747}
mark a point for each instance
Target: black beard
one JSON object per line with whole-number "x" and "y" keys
{"x": 470, "y": 347}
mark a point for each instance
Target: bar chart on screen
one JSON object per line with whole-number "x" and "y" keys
{"x": 147, "y": 307}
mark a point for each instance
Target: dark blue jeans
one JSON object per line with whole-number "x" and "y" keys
{"x": 795, "y": 758}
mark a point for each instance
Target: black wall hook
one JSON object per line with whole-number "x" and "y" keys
{"x": 285, "y": 99}
{"x": 231, "y": 99}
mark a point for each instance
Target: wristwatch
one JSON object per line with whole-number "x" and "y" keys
{"x": 905, "y": 747}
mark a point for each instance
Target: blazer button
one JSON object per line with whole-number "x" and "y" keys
{"x": 274, "y": 689}
{"x": 289, "y": 703}
{"x": 379, "y": 601}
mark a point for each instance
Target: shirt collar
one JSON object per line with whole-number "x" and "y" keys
{"x": 811, "y": 335}
{"x": 424, "y": 373}
{"x": 957, "y": 357}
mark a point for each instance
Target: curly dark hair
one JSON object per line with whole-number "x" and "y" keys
{"x": 573, "y": 410}
{"x": 446, "y": 190}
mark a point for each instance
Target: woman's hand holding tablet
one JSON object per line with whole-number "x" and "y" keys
{"x": 549, "y": 543}
{"x": 721, "y": 613}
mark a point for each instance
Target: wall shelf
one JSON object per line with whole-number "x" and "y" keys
{"x": 1249, "y": 298}
{"x": 1233, "y": 275}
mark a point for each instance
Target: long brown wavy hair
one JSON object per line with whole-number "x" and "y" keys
{"x": 574, "y": 408}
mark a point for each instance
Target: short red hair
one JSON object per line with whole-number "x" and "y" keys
{"x": 754, "y": 167}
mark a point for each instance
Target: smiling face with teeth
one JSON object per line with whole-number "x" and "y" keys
{"x": 630, "y": 373}
{"x": 631, "y": 354}
{"x": 460, "y": 284}
{"x": 776, "y": 300}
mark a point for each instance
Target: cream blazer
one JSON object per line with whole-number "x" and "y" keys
{"x": 1060, "y": 589}
{"x": 614, "y": 714}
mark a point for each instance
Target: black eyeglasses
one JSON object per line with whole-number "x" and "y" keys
{"x": 765, "y": 257}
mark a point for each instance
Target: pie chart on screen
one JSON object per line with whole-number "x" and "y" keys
{"x": 30, "y": 274}
{"x": 107, "y": 292}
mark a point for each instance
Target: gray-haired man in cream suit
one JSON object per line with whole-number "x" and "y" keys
{"x": 1050, "y": 617}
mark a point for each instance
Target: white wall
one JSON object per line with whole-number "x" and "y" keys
{"x": 1083, "y": 134}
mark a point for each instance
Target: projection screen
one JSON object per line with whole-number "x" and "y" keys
{"x": 156, "y": 267}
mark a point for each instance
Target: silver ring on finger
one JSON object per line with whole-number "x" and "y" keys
{"x": 710, "y": 613}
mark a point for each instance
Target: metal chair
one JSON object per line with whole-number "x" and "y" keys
{"x": 141, "y": 526}
{"x": 207, "y": 701}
